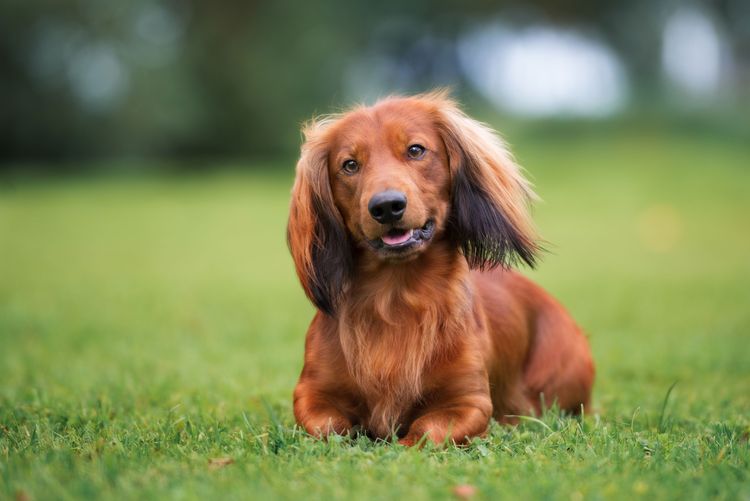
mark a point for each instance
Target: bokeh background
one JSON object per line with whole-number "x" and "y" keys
{"x": 150, "y": 317}
{"x": 186, "y": 79}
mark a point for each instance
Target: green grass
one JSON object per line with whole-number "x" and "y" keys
{"x": 151, "y": 323}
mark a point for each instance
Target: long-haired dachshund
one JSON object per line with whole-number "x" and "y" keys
{"x": 405, "y": 217}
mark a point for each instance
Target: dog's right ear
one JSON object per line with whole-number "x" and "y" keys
{"x": 316, "y": 234}
{"x": 489, "y": 203}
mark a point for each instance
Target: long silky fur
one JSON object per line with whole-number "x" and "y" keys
{"x": 391, "y": 316}
{"x": 331, "y": 260}
{"x": 319, "y": 243}
{"x": 489, "y": 218}
{"x": 486, "y": 238}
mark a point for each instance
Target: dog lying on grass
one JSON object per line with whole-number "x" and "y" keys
{"x": 404, "y": 221}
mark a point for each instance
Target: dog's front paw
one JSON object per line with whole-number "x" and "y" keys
{"x": 407, "y": 442}
{"x": 330, "y": 425}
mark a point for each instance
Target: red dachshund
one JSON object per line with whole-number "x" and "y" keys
{"x": 405, "y": 217}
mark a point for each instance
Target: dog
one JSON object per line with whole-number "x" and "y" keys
{"x": 405, "y": 219}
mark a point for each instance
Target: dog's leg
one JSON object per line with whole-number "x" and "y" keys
{"x": 318, "y": 413}
{"x": 325, "y": 400}
{"x": 560, "y": 364}
{"x": 456, "y": 421}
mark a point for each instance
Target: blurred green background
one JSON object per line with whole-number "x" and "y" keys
{"x": 150, "y": 317}
{"x": 191, "y": 80}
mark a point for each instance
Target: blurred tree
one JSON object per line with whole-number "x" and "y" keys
{"x": 185, "y": 78}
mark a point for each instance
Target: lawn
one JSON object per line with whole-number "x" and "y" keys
{"x": 151, "y": 333}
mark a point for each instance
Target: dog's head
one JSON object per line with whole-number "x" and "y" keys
{"x": 390, "y": 179}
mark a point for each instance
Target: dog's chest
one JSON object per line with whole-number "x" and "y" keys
{"x": 391, "y": 339}
{"x": 388, "y": 361}
{"x": 386, "y": 357}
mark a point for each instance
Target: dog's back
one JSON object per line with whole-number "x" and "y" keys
{"x": 539, "y": 355}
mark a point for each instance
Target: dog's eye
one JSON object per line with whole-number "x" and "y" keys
{"x": 350, "y": 166}
{"x": 416, "y": 151}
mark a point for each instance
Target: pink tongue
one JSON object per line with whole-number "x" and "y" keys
{"x": 397, "y": 239}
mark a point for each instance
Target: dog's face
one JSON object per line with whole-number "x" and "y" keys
{"x": 393, "y": 178}
{"x": 390, "y": 178}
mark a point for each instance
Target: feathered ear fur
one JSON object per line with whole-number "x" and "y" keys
{"x": 489, "y": 217}
{"x": 316, "y": 234}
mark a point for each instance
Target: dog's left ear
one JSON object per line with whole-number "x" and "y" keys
{"x": 489, "y": 217}
{"x": 316, "y": 234}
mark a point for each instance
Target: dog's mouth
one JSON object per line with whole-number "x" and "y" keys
{"x": 401, "y": 240}
{"x": 396, "y": 237}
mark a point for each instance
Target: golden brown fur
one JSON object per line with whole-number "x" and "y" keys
{"x": 423, "y": 336}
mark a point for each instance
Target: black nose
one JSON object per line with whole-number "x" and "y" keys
{"x": 387, "y": 206}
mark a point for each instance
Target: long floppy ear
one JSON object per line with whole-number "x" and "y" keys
{"x": 316, "y": 233}
{"x": 489, "y": 217}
